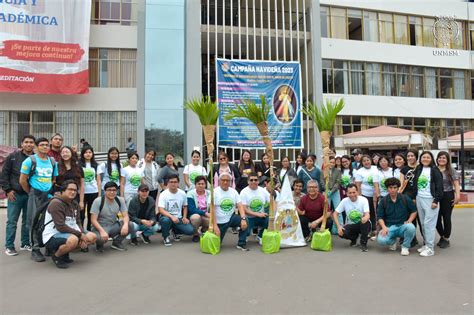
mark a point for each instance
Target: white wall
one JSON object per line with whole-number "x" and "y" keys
{"x": 113, "y": 36}
{"x": 405, "y": 106}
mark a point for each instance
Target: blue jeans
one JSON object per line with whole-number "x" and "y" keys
{"x": 167, "y": 224}
{"x": 405, "y": 231}
{"x": 234, "y": 222}
{"x": 257, "y": 222}
{"x": 147, "y": 231}
{"x": 13, "y": 214}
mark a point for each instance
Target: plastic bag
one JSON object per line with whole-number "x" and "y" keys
{"x": 271, "y": 242}
{"x": 322, "y": 241}
{"x": 210, "y": 243}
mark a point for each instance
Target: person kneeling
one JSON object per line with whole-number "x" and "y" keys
{"x": 396, "y": 212}
{"x": 141, "y": 211}
{"x": 63, "y": 231}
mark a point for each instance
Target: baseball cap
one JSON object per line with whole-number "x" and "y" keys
{"x": 143, "y": 187}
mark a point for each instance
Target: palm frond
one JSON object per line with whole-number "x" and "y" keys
{"x": 205, "y": 109}
{"x": 250, "y": 110}
{"x": 324, "y": 117}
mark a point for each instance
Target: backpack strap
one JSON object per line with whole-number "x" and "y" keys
{"x": 102, "y": 201}
{"x": 33, "y": 166}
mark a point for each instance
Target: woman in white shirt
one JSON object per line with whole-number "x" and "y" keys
{"x": 193, "y": 170}
{"x": 384, "y": 172}
{"x": 132, "y": 178}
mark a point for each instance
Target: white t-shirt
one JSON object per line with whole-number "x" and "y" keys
{"x": 383, "y": 175}
{"x": 90, "y": 179}
{"x": 132, "y": 178}
{"x": 173, "y": 202}
{"x": 354, "y": 210}
{"x": 225, "y": 203}
{"x": 396, "y": 173}
{"x": 194, "y": 171}
{"x": 367, "y": 177}
{"x": 114, "y": 177}
{"x": 50, "y": 229}
{"x": 256, "y": 199}
{"x": 424, "y": 182}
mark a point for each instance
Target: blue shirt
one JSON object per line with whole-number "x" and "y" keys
{"x": 45, "y": 170}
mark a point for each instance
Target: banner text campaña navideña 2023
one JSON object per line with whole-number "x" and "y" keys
{"x": 44, "y": 46}
{"x": 280, "y": 82}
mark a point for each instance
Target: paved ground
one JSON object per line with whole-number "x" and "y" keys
{"x": 179, "y": 279}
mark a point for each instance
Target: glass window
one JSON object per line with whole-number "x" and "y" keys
{"x": 355, "y": 24}
{"x": 431, "y": 83}
{"x": 327, "y": 85}
{"x": 371, "y": 28}
{"x": 392, "y": 121}
{"x": 341, "y": 77}
{"x": 402, "y": 80}
{"x": 472, "y": 35}
{"x": 386, "y": 27}
{"x": 389, "y": 85}
{"x": 356, "y": 123}
{"x": 20, "y": 126}
{"x": 446, "y": 83}
{"x": 122, "y": 12}
{"x": 416, "y": 31}
{"x": 428, "y": 38}
{"x": 407, "y": 123}
{"x": 357, "y": 78}
{"x": 417, "y": 86}
{"x": 401, "y": 29}
{"x": 324, "y": 21}
{"x": 419, "y": 124}
{"x": 338, "y": 23}
{"x": 459, "y": 87}
{"x": 374, "y": 79}
{"x": 112, "y": 67}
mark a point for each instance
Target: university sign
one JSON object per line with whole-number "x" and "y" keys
{"x": 445, "y": 31}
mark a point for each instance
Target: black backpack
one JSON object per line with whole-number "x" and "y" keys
{"x": 39, "y": 225}
{"x": 102, "y": 202}
{"x": 33, "y": 164}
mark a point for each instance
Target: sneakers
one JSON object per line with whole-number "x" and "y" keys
{"x": 422, "y": 249}
{"x": 67, "y": 260}
{"x": 118, "y": 246}
{"x": 176, "y": 237}
{"x": 363, "y": 248}
{"x": 145, "y": 239}
{"x": 37, "y": 256}
{"x": 99, "y": 248}
{"x": 443, "y": 243}
{"x": 353, "y": 243}
{"x": 393, "y": 247}
{"x": 195, "y": 238}
{"x": 427, "y": 252}
{"x": 167, "y": 241}
{"x": 26, "y": 247}
{"x": 59, "y": 262}
{"x": 11, "y": 252}
{"x": 134, "y": 241}
{"x": 85, "y": 250}
{"x": 234, "y": 230}
{"x": 259, "y": 240}
{"x": 405, "y": 251}
{"x": 243, "y": 248}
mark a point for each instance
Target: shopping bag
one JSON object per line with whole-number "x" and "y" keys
{"x": 322, "y": 241}
{"x": 271, "y": 242}
{"x": 210, "y": 243}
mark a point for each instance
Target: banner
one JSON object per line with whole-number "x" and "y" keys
{"x": 44, "y": 46}
{"x": 279, "y": 82}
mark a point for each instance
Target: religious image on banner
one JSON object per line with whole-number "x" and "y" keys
{"x": 287, "y": 221}
{"x": 44, "y": 46}
{"x": 279, "y": 82}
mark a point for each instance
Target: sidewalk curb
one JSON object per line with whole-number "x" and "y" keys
{"x": 465, "y": 205}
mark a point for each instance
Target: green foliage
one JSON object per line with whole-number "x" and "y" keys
{"x": 205, "y": 109}
{"x": 324, "y": 117}
{"x": 256, "y": 113}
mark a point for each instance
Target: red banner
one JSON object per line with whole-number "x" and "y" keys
{"x": 41, "y": 51}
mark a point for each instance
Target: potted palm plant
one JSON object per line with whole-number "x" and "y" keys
{"x": 258, "y": 115}
{"x": 324, "y": 118}
{"x": 208, "y": 113}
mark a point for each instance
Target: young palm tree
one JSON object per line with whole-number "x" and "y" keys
{"x": 325, "y": 118}
{"x": 258, "y": 115}
{"x": 208, "y": 113}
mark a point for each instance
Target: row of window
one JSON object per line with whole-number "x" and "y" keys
{"x": 351, "y": 77}
{"x": 355, "y": 24}
{"x": 122, "y": 12}
{"x": 112, "y": 68}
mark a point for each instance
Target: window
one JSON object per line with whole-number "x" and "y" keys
{"x": 357, "y": 78}
{"x": 431, "y": 85}
{"x": 112, "y": 68}
{"x": 402, "y": 80}
{"x": 355, "y": 24}
{"x": 389, "y": 85}
{"x": 341, "y": 77}
{"x": 459, "y": 90}
{"x": 419, "y": 124}
{"x": 374, "y": 79}
{"x": 401, "y": 29}
{"x": 123, "y": 12}
{"x": 324, "y": 21}
{"x": 446, "y": 83}
{"x": 19, "y": 126}
{"x": 472, "y": 84}
{"x": 371, "y": 29}
{"x": 356, "y": 123}
{"x": 428, "y": 38}
{"x": 346, "y": 124}
{"x": 386, "y": 27}
{"x": 471, "y": 27}
{"x": 338, "y": 23}
{"x": 392, "y": 121}
{"x": 327, "y": 78}
{"x": 416, "y": 86}
{"x": 416, "y": 31}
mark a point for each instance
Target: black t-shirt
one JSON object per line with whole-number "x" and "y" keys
{"x": 409, "y": 174}
{"x": 142, "y": 211}
{"x": 71, "y": 174}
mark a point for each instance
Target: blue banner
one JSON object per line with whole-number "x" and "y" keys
{"x": 279, "y": 82}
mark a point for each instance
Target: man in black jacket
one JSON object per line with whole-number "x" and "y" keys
{"x": 17, "y": 197}
{"x": 141, "y": 211}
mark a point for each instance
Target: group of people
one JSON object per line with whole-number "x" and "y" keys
{"x": 88, "y": 203}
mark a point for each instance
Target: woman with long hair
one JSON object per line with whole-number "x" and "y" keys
{"x": 367, "y": 182}
{"x": 193, "y": 170}
{"x": 68, "y": 168}
{"x": 338, "y": 162}
{"x": 91, "y": 189}
{"x": 223, "y": 166}
{"x": 384, "y": 171}
{"x": 311, "y": 171}
{"x": 347, "y": 174}
{"x": 300, "y": 162}
{"x": 167, "y": 170}
{"x": 132, "y": 178}
{"x": 151, "y": 169}
{"x": 399, "y": 162}
{"x": 451, "y": 194}
{"x": 428, "y": 192}
{"x": 286, "y": 171}
{"x": 110, "y": 171}
{"x": 246, "y": 166}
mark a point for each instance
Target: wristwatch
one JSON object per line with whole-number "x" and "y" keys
{"x": 243, "y": 218}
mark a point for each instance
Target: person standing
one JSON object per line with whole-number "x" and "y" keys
{"x": 151, "y": 170}
{"x": 246, "y": 166}
{"x": 69, "y": 169}
{"x": 334, "y": 184}
{"x": 384, "y": 172}
{"x": 131, "y": 179}
{"x": 225, "y": 167}
{"x": 131, "y": 147}
{"x": 407, "y": 182}
{"x": 193, "y": 170}
{"x": 451, "y": 194}
{"x": 170, "y": 169}
{"x": 91, "y": 189}
{"x": 37, "y": 178}
{"x": 55, "y": 147}
{"x": 357, "y": 155}
{"x": 110, "y": 170}
{"x": 311, "y": 171}
{"x": 286, "y": 171}
{"x": 17, "y": 197}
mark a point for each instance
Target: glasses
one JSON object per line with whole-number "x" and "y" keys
{"x": 111, "y": 190}
{"x": 253, "y": 180}
{"x": 72, "y": 189}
